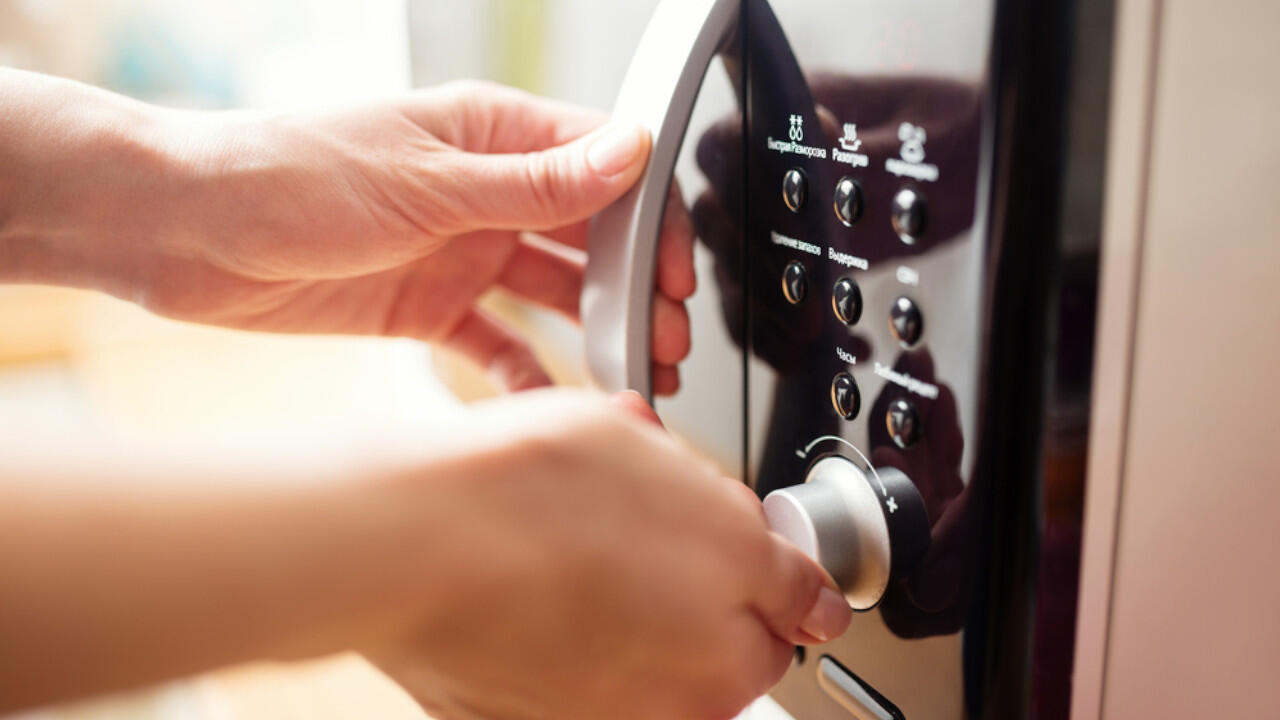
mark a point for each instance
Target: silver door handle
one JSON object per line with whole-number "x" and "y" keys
{"x": 658, "y": 93}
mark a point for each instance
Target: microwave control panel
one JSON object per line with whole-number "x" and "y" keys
{"x": 865, "y": 268}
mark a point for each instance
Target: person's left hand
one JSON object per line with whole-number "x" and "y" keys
{"x": 395, "y": 218}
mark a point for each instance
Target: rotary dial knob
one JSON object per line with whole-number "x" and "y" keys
{"x": 862, "y": 527}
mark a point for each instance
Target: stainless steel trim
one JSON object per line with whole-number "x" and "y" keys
{"x": 658, "y": 93}
{"x": 849, "y": 692}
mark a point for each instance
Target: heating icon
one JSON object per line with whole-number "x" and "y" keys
{"x": 850, "y": 142}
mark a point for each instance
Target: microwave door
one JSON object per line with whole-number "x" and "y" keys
{"x": 686, "y": 85}
{"x": 839, "y": 201}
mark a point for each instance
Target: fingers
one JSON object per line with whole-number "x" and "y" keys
{"x": 771, "y": 658}
{"x": 543, "y": 273}
{"x": 669, "y": 340}
{"x": 796, "y": 598}
{"x": 631, "y": 403}
{"x": 675, "y": 274}
{"x": 746, "y": 664}
{"x": 539, "y": 190}
{"x": 483, "y": 117}
{"x": 748, "y": 497}
{"x": 551, "y": 276}
{"x": 574, "y": 236}
{"x": 540, "y": 165}
{"x": 675, "y": 282}
{"x": 504, "y": 355}
{"x": 666, "y": 380}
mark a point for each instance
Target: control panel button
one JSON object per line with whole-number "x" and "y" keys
{"x": 795, "y": 283}
{"x": 908, "y": 215}
{"x": 905, "y": 321}
{"x": 795, "y": 189}
{"x": 845, "y": 397}
{"x": 848, "y": 200}
{"x": 846, "y": 301}
{"x": 903, "y": 422}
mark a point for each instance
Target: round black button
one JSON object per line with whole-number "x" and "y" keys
{"x": 903, "y": 423}
{"x": 905, "y": 321}
{"x": 795, "y": 284}
{"x": 845, "y": 397}
{"x": 908, "y": 215}
{"x": 846, "y": 301}
{"x": 848, "y": 200}
{"x": 795, "y": 189}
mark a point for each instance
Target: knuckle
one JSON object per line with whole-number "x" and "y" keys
{"x": 585, "y": 413}
{"x": 547, "y": 176}
{"x": 437, "y": 210}
{"x": 756, "y": 548}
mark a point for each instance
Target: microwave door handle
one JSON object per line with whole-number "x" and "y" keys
{"x": 657, "y": 93}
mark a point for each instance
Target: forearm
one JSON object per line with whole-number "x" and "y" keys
{"x": 115, "y": 585}
{"x": 80, "y": 171}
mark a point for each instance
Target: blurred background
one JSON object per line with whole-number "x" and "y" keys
{"x": 79, "y": 369}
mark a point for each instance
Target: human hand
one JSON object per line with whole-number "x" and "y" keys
{"x": 389, "y": 219}
{"x": 595, "y": 569}
{"x": 550, "y": 555}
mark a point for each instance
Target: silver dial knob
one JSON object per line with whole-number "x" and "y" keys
{"x": 856, "y": 525}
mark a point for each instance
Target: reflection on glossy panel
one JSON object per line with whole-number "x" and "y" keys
{"x": 902, "y": 115}
{"x": 857, "y": 298}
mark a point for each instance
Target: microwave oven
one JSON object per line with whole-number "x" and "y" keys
{"x": 988, "y": 314}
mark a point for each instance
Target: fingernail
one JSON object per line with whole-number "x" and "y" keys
{"x": 829, "y": 617}
{"x": 617, "y": 149}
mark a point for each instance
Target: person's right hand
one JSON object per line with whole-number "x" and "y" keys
{"x": 589, "y": 567}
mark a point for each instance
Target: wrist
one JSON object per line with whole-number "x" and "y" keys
{"x": 375, "y": 551}
{"x": 453, "y": 555}
{"x": 83, "y": 174}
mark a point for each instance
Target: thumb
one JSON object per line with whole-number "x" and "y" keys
{"x": 546, "y": 189}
